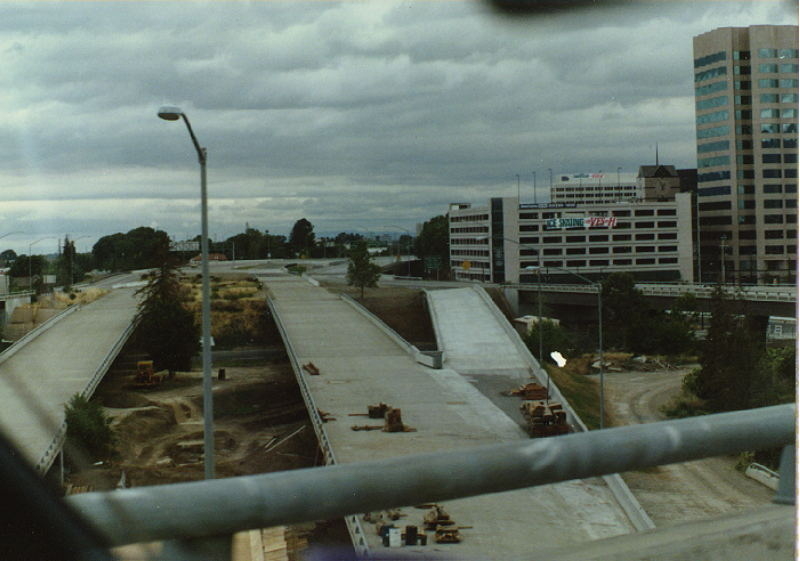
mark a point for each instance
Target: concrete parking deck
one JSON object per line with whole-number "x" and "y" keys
{"x": 359, "y": 366}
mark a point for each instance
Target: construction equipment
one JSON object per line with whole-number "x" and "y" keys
{"x": 146, "y": 377}
{"x": 544, "y": 418}
{"x": 531, "y": 390}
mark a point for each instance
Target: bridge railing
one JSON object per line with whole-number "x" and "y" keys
{"x": 56, "y": 444}
{"x": 195, "y": 515}
{"x": 766, "y": 293}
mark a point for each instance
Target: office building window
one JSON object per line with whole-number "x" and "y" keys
{"x": 711, "y": 88}
{"x": 646, "y": 261}
{"x": 770, "y": 142}
{"x": 713, "y": 147}
{"x": 598, "y": 262}
{"x": 716, "y": 57}
{"x": 711, "y": 102}
{"x": 710, "y": 73}
{"x": 770, "y": 158}
{"x": 773, "y": 188}
{"x": 713, "y": 191}
{"x": 767, "y": 53}
{"x": 773, "y": 219}
{"x": 714, "y": 117}
{"x": 769, "y": 67}
{"x": 713, "y": 161}
{"x": 576, "y": 263}
{"x": 713, "y": 131}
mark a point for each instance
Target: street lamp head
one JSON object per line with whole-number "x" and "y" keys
{"x": 170, "y": 113}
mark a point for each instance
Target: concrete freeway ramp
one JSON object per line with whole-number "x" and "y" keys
{"x": 472, "y": 336}
{"x": 360, "y": 365}
{"x": 41, "y": 376}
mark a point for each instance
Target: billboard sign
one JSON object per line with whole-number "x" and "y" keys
{"x": 591, "y": 222}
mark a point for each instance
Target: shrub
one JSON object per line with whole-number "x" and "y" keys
{"x": 88, "y": 428}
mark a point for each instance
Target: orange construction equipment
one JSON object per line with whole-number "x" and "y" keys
{"x": 146, "y": 376}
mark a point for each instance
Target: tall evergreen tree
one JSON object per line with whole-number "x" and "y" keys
{"x": 167, "y": 329}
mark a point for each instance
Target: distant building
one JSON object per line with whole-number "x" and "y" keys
{"x": 197, "y": 259}
{"x": 505, "y": 241}
{"x": 746, "y": 114}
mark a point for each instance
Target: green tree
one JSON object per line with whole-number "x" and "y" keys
{"x": 67, "y": 269}
{"x": 432, "y": 245}
{"x": 8, "y": 256}
{"x": 89, "y": 431}
{"x": 167, "y": 329}
{"x": 361, "y": 271}
{"x": 554, "y": 338}
{"x": 729, "y": 358}
{"x": 140, "y": 248}
{"x": 301, "y": 240}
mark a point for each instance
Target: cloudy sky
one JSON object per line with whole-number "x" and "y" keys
{"x": 355, "y": 115}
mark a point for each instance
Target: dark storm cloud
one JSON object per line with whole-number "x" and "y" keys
{"x": 347, "y": 111}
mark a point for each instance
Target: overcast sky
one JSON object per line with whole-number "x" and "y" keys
{"x": 355, "y": 115}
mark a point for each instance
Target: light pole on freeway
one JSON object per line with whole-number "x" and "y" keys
{"x": 169, "y": 113}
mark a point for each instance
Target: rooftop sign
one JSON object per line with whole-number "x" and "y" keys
{"x": 591, "y": 222}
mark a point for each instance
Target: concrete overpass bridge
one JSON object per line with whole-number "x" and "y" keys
{"x": 68, "y": 354}
{"x": 208, "y": 510}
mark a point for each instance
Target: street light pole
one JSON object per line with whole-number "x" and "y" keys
{"x": 174, "y": 114}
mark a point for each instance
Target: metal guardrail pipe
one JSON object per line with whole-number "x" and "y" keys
{"x": 225, "y": 506}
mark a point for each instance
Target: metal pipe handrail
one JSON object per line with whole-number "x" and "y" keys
{"x": 225, "y": 506}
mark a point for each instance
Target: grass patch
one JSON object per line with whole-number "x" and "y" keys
{"x": 582, "y": 393}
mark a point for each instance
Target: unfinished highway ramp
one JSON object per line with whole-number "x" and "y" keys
{"x": 345, "y": 362}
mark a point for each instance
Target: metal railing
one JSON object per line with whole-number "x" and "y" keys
{"x": 206, "y": 510}
{"x": 48, "y": 457}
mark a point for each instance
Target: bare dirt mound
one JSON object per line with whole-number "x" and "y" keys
{"x": 260, "y": 425}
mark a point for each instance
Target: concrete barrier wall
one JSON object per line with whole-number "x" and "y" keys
{"x": 431, "y": 360}
{"x": 31, "y": 335}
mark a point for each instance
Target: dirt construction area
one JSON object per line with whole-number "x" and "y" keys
{"x": 260, "y": 425}
{"x": 677, "y": 493}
